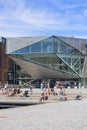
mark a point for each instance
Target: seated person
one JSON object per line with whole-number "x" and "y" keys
{"x": 44, "y": 95}
{"x": 25, "y": 94}
{"x": 2, "y": 92}
{"x": 55, "y": 90}
{"x": 78, "y": 97}
{"x": 63, "y": 98}
{"x": 10, "y": 93}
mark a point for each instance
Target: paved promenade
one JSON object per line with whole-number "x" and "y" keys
{"x": 69, "y": 115}
{"x": 52, "y": 115}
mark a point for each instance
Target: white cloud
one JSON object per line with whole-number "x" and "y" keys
{"x": 17, "y": 18}
{"x": 81, "y": 36}
{"x": 29, "y": 16}
{"x": 40, "y": 19}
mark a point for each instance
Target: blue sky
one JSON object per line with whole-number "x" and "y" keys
{"x": 43, "y": 17}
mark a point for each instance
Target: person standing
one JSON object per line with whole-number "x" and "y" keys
{"x": 30, "y": 87}
{"x": 41, "y": 86}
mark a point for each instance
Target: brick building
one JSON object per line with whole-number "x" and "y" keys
{"x": 7, "y": 66}
{"x": 3, "y": 61}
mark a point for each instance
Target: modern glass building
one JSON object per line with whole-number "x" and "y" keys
{"x": 51, "y": 57}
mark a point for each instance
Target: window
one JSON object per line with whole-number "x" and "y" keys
{"x": 48, "y": 45}
{"x": 36, "y": 47}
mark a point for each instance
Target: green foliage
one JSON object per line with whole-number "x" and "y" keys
{"x": 24, "y": 77}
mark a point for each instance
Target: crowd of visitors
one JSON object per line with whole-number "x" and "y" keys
{"x": 15, "y": 90}
{"x": 57, "y": 90}
{"x": 45, "y": 91}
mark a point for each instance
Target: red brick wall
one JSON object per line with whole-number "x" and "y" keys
{"x": 3, "y": 63}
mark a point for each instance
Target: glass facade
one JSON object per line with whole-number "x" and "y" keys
{"x": 54, "y": 54}
{"x": 45, "y": 46}
{"x": 50, "y": 45}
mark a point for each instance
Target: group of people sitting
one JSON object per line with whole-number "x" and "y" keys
{"x": 57, "y": 90}
{"x": 15, "y": 91}
{"x": 11, "y": 92}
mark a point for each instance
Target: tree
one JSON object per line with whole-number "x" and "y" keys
{"x": 23, "y": 77}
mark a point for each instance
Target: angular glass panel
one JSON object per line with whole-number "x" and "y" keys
{"x": 23, "y": 50}
{"x": 36, "y": 47}
{"x": 47, "y": 45}
{"x": 68, "y": 60}
{"x": 64, "y": 48}
{"x": 55, "y": 45}
{"x": 60, "y": 46}
{"x": 27, "y": 49}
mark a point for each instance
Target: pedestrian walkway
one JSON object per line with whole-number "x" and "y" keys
{"x": 70, "y": 115}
